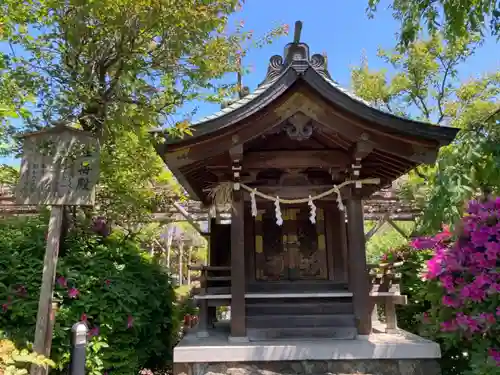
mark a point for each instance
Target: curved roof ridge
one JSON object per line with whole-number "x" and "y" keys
{"x": 267, "y": 83}
{"x": 296, "y": 65}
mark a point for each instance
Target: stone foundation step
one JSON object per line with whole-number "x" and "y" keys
{"x": 304, "y": 308}
{"x": 300, "y": 321}
{"x": 297, "y": 287}
{"x": 297, "y": 333}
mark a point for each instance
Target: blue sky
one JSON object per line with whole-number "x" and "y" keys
{"x": 342, "y": 29}
{"x": 339, "y": 28}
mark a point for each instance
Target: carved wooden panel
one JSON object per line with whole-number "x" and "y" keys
{"x": 294, "y": 251}
{"x": 270, "y": 255}
{"x": 312, "y": 257}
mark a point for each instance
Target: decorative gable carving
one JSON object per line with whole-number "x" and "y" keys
{"x": 296, "y": 55}
{"x": 299, "y": 127}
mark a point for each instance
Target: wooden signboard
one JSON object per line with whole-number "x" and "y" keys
{"x": 60, "y": 166}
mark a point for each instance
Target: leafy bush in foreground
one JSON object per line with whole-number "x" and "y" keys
{"x": 125, "y": 298}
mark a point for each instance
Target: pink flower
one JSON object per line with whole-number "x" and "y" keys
{"x": 62, "y": 282}
{"x": 94, "y": 332}
{"x": 5, "y": 307}
{"x": 492, "y": 250}
{"x": 473, "y": 293}
{"x": 73, "y": 293}
{"x": 423, "y": 243}
{"x": 434, "y": 268}
{"x": 480, "y": 238}
{"x": 21, "y": 291}
{"x": 495, "y": 355}
{"x": 489, "y": 318}
{"x": 473, "y": 207}
{"x": 130, "y": 321}
{"x": 107, "y": 282}
{"x": 450, "y": 326}
{"x": 447, "y": 281}
{"x": 444, "y": 235}
{"x": 83, "y": 318}
{"x": 450, "y": 301}
{"x": 481, "y": 281}
{"x": 425, "y": 318}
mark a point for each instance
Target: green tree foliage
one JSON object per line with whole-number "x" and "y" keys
{"x": 119, "y": 69}
{"x": 8, "y": 175}
{"x": 386, "y": 238}
{"x": 455, "y": 19}
{"x": 123, "y": 294}
{"x": 426, "y": 86}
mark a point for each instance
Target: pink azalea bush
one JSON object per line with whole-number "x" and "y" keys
{"x": 463, "y": 284}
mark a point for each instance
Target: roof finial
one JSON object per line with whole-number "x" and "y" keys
{"x": 297, "y": 32}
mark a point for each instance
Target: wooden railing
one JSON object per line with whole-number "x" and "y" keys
{"x": 386, "y": 290}
{"x": 214, "y": 290}
{"x": 214, "y": 280}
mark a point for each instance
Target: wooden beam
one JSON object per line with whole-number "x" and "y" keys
{"x": 376, "y": 228}
{"x": 299, "y": 159}
{"x": 336, "y": 242}
{"x": 41, "y": 342}
{"x": 238, "y": 280}
{"x": 363, "y": 147}
{"x": 243, "y": 131}
{"x": 358, "y": 271}
{"x": 398, "y": 229}
{"x": 189, "y": 218}
{"x": 298, "y": 191}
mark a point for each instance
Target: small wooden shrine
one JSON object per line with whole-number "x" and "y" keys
{"x": 291, "y": 163}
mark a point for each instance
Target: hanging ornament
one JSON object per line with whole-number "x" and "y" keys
{"x": 277, "y": 210}
{"x": 340, "y": 205}
{"x": 253, "y": 203}
{"x": 312, "y": 214}
{"x": 212, "y": 212}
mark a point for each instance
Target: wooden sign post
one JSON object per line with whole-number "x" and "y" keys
{"x": 60, "y": 167}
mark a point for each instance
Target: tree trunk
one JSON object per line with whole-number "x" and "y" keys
{"x": 181, "y": 254}
{"x": 170, "y": 236}
{"x": 190, "y": 250}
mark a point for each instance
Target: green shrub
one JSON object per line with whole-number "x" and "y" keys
{"x": 16, "y": 362}
{"x": 126, "y": 298}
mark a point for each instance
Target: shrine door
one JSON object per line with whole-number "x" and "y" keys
{"x": 295, "y": 250}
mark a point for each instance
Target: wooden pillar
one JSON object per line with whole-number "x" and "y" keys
{"x": 336, "y": 242}
{"x": 238, "y": 313}
{"x": 203, "y": 317}
{"x": 344, "y": 245}
{"x": 358, "y": 275}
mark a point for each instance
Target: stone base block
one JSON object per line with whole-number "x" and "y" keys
{"x": 306, "y": 367}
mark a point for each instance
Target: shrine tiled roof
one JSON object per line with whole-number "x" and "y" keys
{"x": 263, "y": 87}
{"x": 296, "y": 64}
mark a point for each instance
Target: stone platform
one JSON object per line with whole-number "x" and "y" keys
{"x": 400, "y": 353}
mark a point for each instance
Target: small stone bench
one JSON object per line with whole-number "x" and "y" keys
{"x": 385, "y": 290}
